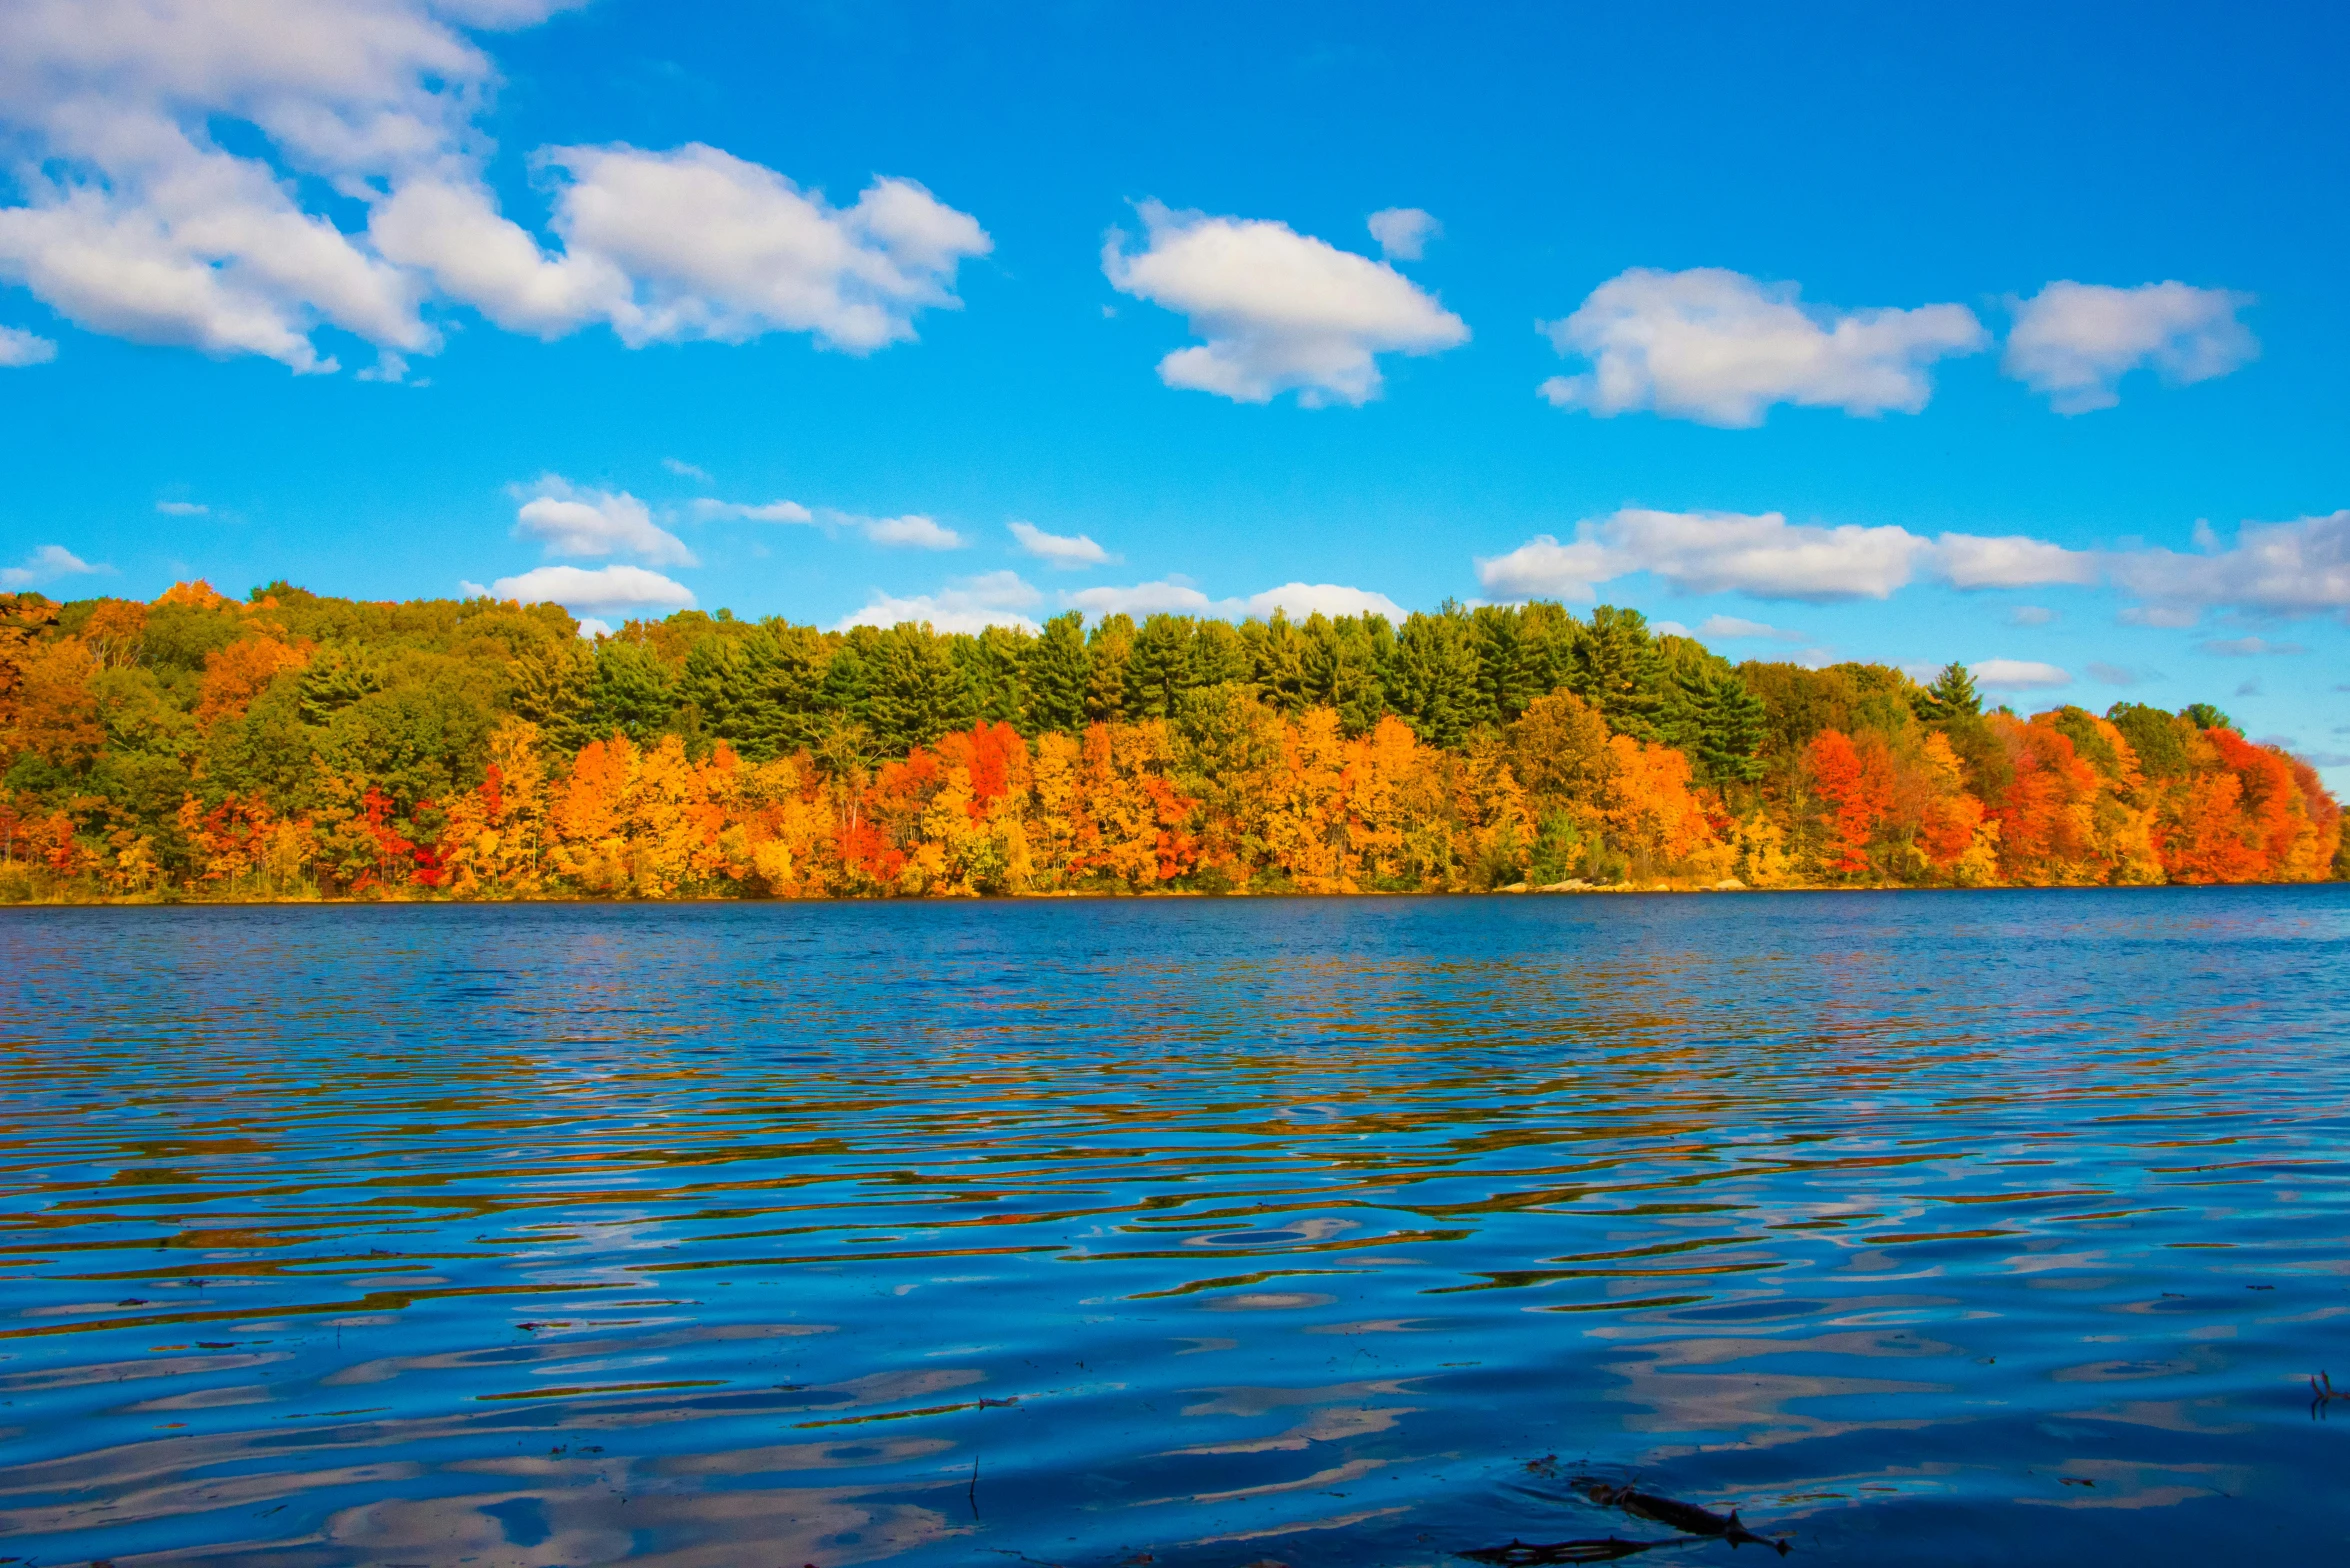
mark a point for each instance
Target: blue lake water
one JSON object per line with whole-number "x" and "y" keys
{"x": 1920, "y": 1228}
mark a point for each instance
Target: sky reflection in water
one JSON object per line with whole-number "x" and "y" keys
{"x": 1920, "y": 1228}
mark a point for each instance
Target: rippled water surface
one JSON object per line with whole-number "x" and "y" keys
{"x": 1962, "y": 1228}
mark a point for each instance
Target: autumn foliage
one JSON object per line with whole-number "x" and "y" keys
{"x": 293, "y": 746}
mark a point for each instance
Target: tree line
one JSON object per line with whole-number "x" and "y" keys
{"x": 294, "y": 745}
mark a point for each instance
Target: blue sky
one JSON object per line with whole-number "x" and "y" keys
{"x": 2010, "y": 336}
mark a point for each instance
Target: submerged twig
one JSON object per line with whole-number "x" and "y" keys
{"x": 1524, "y": 1554}
{"x": 1688, "y": 1518}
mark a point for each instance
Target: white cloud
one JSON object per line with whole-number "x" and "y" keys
{"x": 1770, "y": 558}
{"x": 19, "y": 348}
{"x": 1720, "y": 348}
{"x": 912, "y": 531}
{"x": 568, "y": 520}
{"x": 1174, "y": 596}
{"x": 991, "y": 599}
{"x": 1069, "y": 552}
{"x": 1280, "y": 310}
{"x": 1732, "y": 628}
{"x": 2288, "y": 569}
{"x": 137, "y": 220}
{"x": 2073, "y": 342}
{"x": 606, "y": 588}
{"x": 2247, "y": 647}
{"x": 47, "y": 564}
{"x": 685, "y": 470}
{"x": 1300, "y": 600}
{"x": 183, "y": 508}
{"x": 2011, "y": 561}
{"x": 2168, "y": 617}
{"x": 1712, "y": 552}
{"x": 1164, "y": 597}
{"x": 2018, "y": 675}
{"x": 2117, "y": 674}
{"x": 2031, "y": 615}
{"x": 708, "y": 246}
{"x": 1403, "y": 233}
{"x": 710, "y": 509}
{"x": 590, "y": 628}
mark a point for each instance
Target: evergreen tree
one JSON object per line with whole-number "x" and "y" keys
{"x": 1718, "y": 722}
{"x": 1619, "y": 670}
{"x": 992, "y": 662}
{"x": 1432, "y": 678}
{"x": 918, "y": 693}
{"x": 1219, "y": 654}
{"x": 1277, "y": 661}
{"x": 1107, "y": 651}
{"x": 631, "y": 692}
{"x": 338, "y": 675}
{"x": 1951, "y": 696}
{"x": 848, "y": 681}
{"x": 551, "y": 690}
{"x": 1342, "y": 672}
{"x": 1505, "y": 677}
{"x": 711, "y": 684}
{"x": 1056, "y": 675}
{"x": 1158, "y": 670}
{"x": 779, "y": 700}
{"x": 2206, "y": 717}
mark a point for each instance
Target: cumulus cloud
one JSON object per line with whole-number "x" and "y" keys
{"x": 1403, "y": 233}
{"x": 1711, "y": 552}
{"x": 1174, "y": 596}
{"x": 1720, "y": 348}
{"x": 605, "y": 588}
{"x": 45, "y": 565}
{"x": 2167, "y": 617}
{"x": 2282, "y": 569}
{"x": 568, "y": 520}
{"x": 1300, "y": 600}
{"x": 2247, "y": 647}
{"x": 19, "y": 348}
{"x": 1280, "y": 310}
{"x": 2018, "y": 675}
{"x": 139, "y": 221}
{"x": 710, "y": 509}
{"x": 990, "y": 599}
{"x": 1732, "y": 628}
{"x": 183, "y": 508}
{"x": 690, "y": 244}
{"x": 685, "y": 470}
{"x": 2011, "y": 561}
{"x": 1768, "y": 557}
{"x": 1068, "y": 552}
{"x": 912, "y": 531}
{"x": 2073, "y": 342}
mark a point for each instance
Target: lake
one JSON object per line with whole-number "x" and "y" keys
{"x": 1918, "y": 1227}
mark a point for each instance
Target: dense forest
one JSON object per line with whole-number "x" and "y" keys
{"x": 293, "y": 746}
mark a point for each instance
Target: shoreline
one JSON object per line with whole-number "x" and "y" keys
{"x": 1615, "y": 890}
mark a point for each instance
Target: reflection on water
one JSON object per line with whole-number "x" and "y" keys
{"x": 1918, "y": 1228}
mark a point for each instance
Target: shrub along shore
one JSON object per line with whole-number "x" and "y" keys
{"x": 290, "y": 746}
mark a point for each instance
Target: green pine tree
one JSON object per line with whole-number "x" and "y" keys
{"x": 1158, "y": 670}
{"x": 1951, "y": 696}
{"x": 1057, "y": 667}
{"x": 1432, "y": 677}
{"x": 1618, "y": 669}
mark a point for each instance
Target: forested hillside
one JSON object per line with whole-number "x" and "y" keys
{"x": 293, "y": 746}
